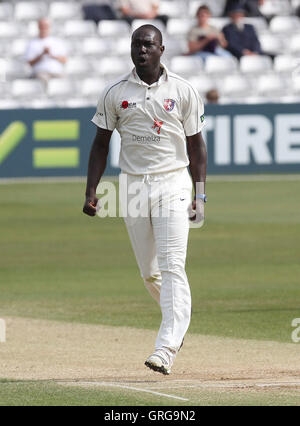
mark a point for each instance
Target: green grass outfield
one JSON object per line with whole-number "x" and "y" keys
{"x": 243, "y": 267}
{"x": 50, "y": 394}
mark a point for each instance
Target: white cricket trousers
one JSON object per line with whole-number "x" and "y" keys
{"x": 155, "y": 212}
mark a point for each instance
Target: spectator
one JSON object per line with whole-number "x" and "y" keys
{"x": 97, "y": 12}
{"x": 205, "y": 40}
{"x": 137, "y": 9}
{"x": 242, "y": 38}
{"x": 251, "y": 6}
{"x": 212, "y": 96}
{"x": 45, "y": 54}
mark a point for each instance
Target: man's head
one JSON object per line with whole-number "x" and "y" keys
{"x": 44, "y": 27}
{"x": 203, "y": 15}
{"x": 237, "y": 13}
{"x": 146, "y": 47}
{"x": 212, "y": 96}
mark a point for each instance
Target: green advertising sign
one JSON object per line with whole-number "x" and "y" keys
{"x": 240, "y": 139}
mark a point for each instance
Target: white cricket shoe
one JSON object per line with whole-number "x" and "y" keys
{"x": 160, "y": 361}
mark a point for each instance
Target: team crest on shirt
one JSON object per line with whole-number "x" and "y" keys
{"x": 169, "y": 104}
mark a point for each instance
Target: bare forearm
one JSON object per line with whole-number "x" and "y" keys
{"x": 36, "y": 60}
{"x": 97, "y": 164}
{"x": 198, "y": 161}
{"x": 96, "y": 168}
{"x": 195, "y": 46}
{"x": 198, "y": 173}
{"x": 61, "y": 59}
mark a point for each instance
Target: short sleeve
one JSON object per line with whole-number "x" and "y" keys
{"x": 105, "y": 116}
{"x": 193, "y": 112}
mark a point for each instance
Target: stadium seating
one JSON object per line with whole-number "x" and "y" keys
{"x": 6, "y": 11}
{"x": 255, "y": 64}
{"x": 121, "y": 47}
{"x": 272, "y": 8}
{"x": 219, "y": 22}
{"x": 77, "y": 66}
{"x": 294, "y": 44}
{"x": 176, "y": 27}
{"x": 271, "y": 43}
{"x": 259, "y": 23}
{"x": 65, "y": 11}
{"x": 108, "y": 28}
{"x": 203, "y": 83}
{"x": 220, "y": 65}
{"x": 3, "y": 51}
{"x": 3, "y": 78}
{"x": 32, "y": 29}
{"x": 9, "y": 104}
{"x": 173, "y": 9}
{"x": 284, "y": 24}
{"x": 285, "y": 63}
{"x": 9, "y": 30}
{"x": 296, "y": 84}
{"x": 186, "y": 65}
{"x": 98, "y": 53}
{"x": 139, "y": 22}
{"x": 175, "y": 47}
{"x": 18, "y": 47}
{"x": 111, "y": 67}
{"x": 77, "y": 28}
{"x": 28, "y": 11}
{"x": 21, "y": 89}
{"x": 16, "y": 68}
{"x": 39, "y": 103}
{"x": 91, "y": 87}
{"x": 75, "y": 103}
{"x": 270, "y": 85}
{"x": 93, "y": 46}
{"x": 236, "y": 85}
{"x": 61, "y": 88}
{"x": 295, "y": 4}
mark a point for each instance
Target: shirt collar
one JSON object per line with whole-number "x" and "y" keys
{"x": 134, "y": 78}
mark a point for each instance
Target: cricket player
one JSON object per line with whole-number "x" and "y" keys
{"x": 159, "y": 116}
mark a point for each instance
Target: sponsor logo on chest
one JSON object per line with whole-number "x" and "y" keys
{"x": 128, "y": 105}
{"x": 157, "y": 125}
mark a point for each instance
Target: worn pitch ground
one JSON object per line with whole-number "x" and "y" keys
{"x": 52, "y": 350}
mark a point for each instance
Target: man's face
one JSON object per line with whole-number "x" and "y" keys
{"x": 44, "y": 28}
{"x": 203, "y": 17}
{"x": 237, "y": 16}
{"x": 146, "y": 49}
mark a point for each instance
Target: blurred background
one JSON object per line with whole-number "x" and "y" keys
{"x": 90, "y": 46}
{"x": 99, "y": 52}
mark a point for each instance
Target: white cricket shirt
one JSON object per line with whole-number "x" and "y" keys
{"x": 153, "y": 121}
